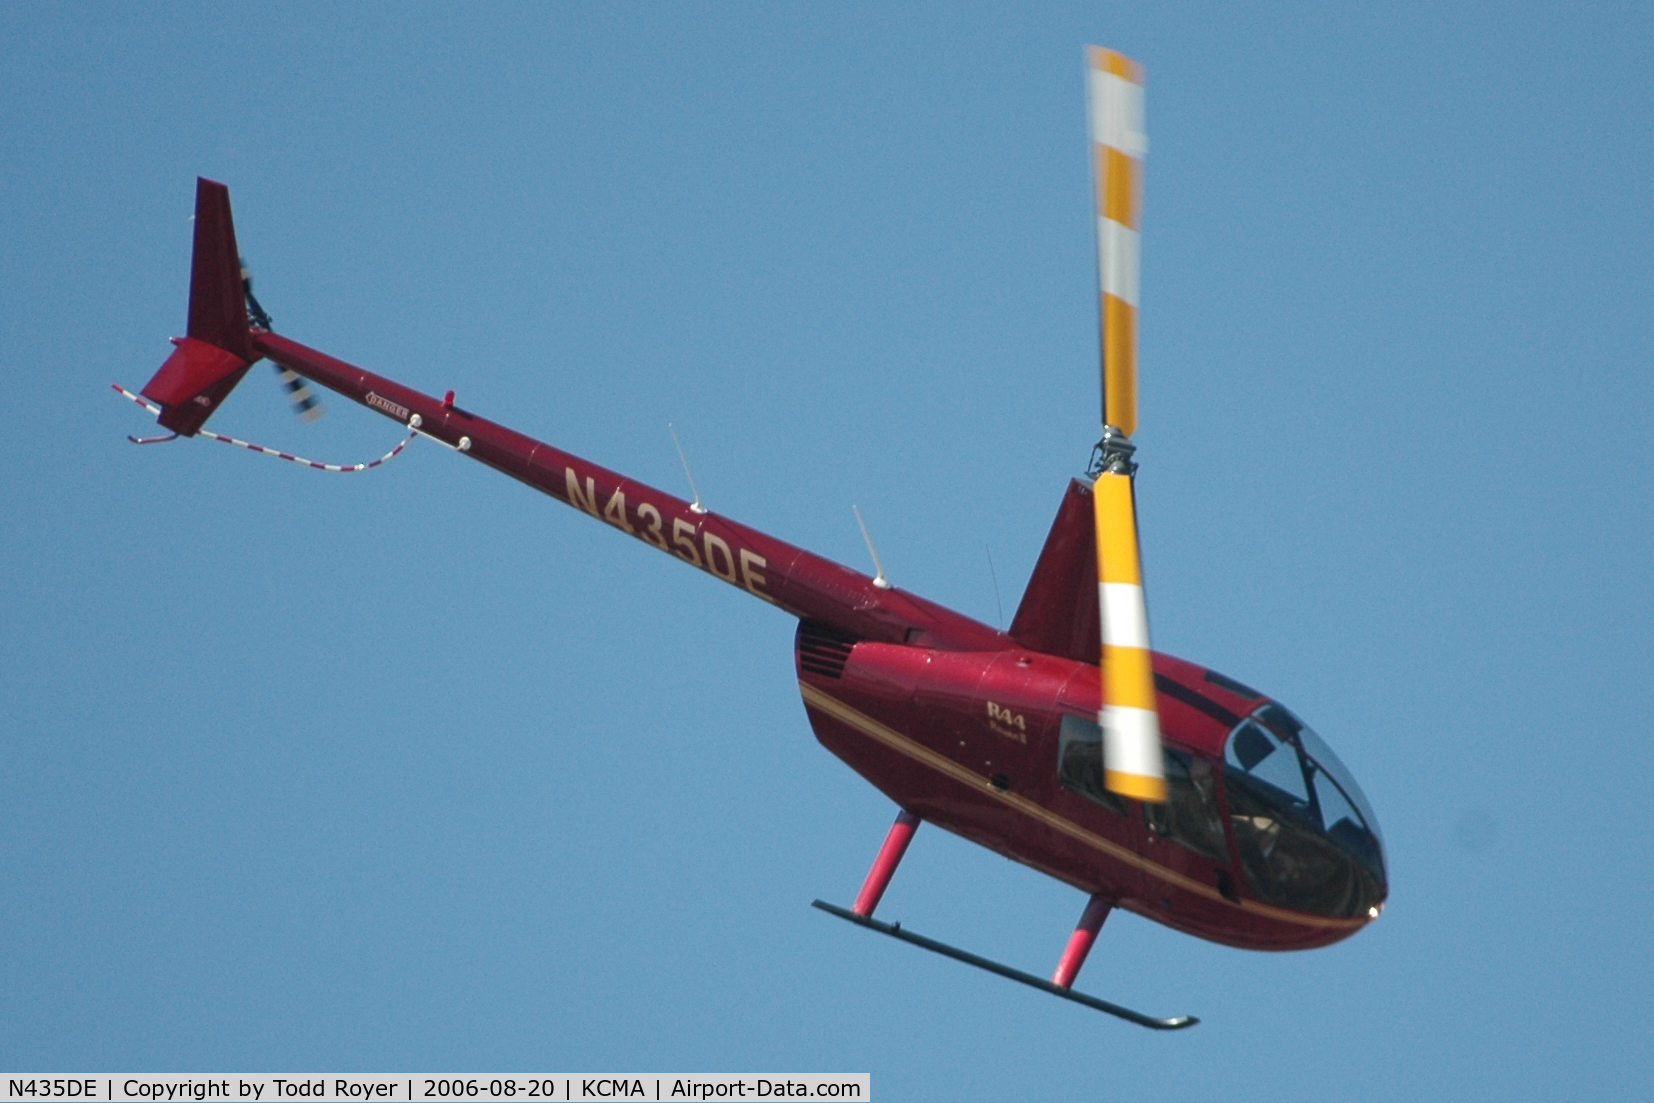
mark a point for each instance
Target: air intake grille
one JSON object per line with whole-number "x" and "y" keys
{"x": 823, "y": 649}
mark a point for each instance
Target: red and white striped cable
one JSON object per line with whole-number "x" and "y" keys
{"x": 344, "y": 468}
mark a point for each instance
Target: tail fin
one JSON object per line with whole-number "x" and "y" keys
{"x": 215, "y": 355}
{"x": 1058, "y": 614}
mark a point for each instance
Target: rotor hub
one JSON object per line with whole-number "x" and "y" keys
{"x": 1112, "y": 455}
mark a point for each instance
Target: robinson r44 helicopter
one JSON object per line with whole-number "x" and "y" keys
{"x": 1066, "y": 743}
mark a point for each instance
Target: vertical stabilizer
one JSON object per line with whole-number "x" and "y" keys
{"x": 218, "y": 305}
{"x": 1058, "y": 614}
{"x": 215, "y": 355}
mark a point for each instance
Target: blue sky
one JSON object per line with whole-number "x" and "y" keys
{"x": 417, "y": 769}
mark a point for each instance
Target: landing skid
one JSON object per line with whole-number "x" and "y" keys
{"x": 894, "y": 930}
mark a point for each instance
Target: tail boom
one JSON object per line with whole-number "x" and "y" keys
{"x": 799, "y": 582}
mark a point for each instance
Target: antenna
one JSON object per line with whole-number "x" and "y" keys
{"x": 879, "y": 579}
{"x": 695, "y": 506}
{"x": 993, "y": 574}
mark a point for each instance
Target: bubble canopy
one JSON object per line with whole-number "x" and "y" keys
{"x": 1307, "y": 836}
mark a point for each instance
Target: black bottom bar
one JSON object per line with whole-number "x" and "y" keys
{"x": 894, "y": 930}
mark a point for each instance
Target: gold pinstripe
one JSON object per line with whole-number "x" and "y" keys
{"x": 923, "y": 755}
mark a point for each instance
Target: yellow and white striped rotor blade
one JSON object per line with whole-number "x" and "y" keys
{"x": 1132, "y": 763}
{"x": 1114, "y": 102}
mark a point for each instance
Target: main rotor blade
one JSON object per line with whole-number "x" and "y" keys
{"x": 1114, "y": 101}
{"x": 1132, "y": 762}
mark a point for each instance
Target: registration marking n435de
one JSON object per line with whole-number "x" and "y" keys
{"x": 710, "y": 552}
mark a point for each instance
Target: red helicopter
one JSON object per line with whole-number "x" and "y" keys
{"x": 1151, "y": 783}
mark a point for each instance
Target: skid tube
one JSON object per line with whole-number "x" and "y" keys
{"x": 894, "y": 930}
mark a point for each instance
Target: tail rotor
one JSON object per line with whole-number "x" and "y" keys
{"x": 306, "y": 404}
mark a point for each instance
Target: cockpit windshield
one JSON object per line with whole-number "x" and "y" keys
{"x": 1308, "y": 838}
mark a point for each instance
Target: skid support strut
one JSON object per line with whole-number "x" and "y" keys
{"x": 896, "y": 930}
{"x": 1080, "y": 942}
{"x": 884, "y": 866}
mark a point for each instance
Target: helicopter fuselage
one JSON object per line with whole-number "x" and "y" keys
{"x": 958, "y": 723}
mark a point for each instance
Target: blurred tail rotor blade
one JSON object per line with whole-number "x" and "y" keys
{"x": 1114, "y": 103}
{"x": 1132, "y": 762}
{"x": 304, "y": 400}
{"x": 255, "y": 313}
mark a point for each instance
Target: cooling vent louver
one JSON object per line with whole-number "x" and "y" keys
{"x": 823, "y": 649}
